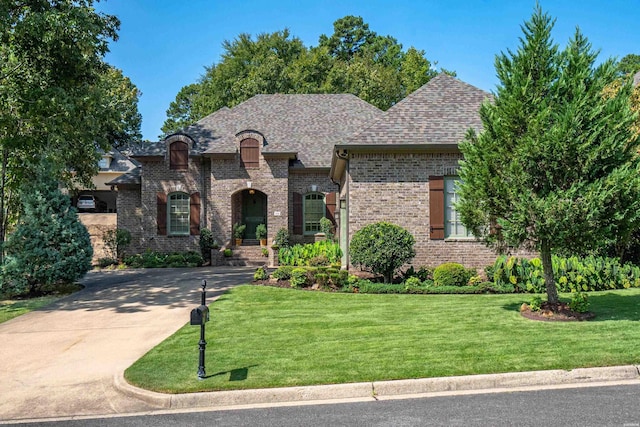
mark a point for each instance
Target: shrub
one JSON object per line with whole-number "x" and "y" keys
{"x": 106, "y": 262}
{"x": 579, "y": 302}
{"x": 260, "y": 274}
{"x": 382, "y": 247}
{"x": 322, "y": 279}
{"x": 227, "y": 253}
{"x": 536, "y": 303}
{"x": 282, "y": 273}
{"x": 49, "y": 247}
{"x": 207, "y": 243}
{"x": 320, "y": 260}
{"x": 326, "y": 228}
{"x": 298, "y": 277}
{"x": 423, "y": 273}
{"x": 116, "y": 242}
{"x": 265, "y": 252}
{"x": 451, "y": 274}
{"x": 282, "y": 238}
{"x": 238, "y": 230}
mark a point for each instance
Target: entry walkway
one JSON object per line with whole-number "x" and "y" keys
{"x": 61, "y": 360}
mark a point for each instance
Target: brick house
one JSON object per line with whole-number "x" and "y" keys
{"x": 402, "y": 167}
{"x": 265, "y": 161}
{"x": 288, "y": 160}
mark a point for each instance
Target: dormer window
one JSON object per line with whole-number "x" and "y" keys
{"x": 179, "y": 156}
{"x": 250, "y": 153}
{"x": 105, "y": 162}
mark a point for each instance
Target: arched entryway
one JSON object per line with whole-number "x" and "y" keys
{"x": 251, "y": 210}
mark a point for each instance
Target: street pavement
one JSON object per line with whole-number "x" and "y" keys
{"x": 67, "y": 360}
{"x": 61, "y": 360}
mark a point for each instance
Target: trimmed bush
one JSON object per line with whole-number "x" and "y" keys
{"x": 298, "y": 277}
{"x": 451, "y": 274}
{"x": 282, "y": 273}
{"x": 116, "y": 242}
{"x": 382, "y": 247}
{"x": 260, "y": 274}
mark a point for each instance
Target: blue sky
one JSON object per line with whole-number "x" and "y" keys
{"x": 166, "y": 44}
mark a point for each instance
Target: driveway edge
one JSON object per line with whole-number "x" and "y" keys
{"x": 379, "y": 388}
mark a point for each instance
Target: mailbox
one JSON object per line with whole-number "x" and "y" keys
{"x": 200, "y": 315}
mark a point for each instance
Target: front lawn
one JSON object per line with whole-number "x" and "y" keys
{"x": 272, "y": 337}
{"x": 14, "y": 308}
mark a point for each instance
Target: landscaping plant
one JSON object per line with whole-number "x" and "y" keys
{"x": 383, "y": 248}
{"x": 50, "y": 247}
{"x": 556, "y": 165}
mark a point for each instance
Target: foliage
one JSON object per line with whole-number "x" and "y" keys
{"x": 265, "y": 252}
{"x": 572, "y": 274}
{"x": 261, "y": 274}
{"x": 298, "y": 277}
{"x": 116, "y": 242}
{"x": 227, "y": 252}
{"x": 353, "y": 59}
{"x": 282, "y": 238}
{"x": 309, "y": 253}
{"x": 49, "y": 247}
{"x": 452, "y": 274}
{"x": 326, "y": 228}
{"x": 282, "y": 273}
{"x": 579, "y": 302}
{"x": 261, "y": 231}
{"x": 536, "y": 303}
{"x": 556, "y": 166}
{"x": 382, "y": 247}
{"x": 107, "y": 262}
{"x": 629, "y": 65}
{"x": 207, "y": 243}
{"x": 423, "y": 273}
{"x": 238, "y": 230}
{"x": 153, "y": 259}
{"x": 59, "y": 99}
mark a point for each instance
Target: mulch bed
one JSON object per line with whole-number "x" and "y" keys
{"x": 555, "y": 312}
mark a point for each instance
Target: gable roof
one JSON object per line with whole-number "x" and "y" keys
{"x": 309, "y": 125}
{"x": 438, "y": 113}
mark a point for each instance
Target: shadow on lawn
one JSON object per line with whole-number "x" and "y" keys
{"x": 605, "y": 305}
{"x": 238, "y": 374}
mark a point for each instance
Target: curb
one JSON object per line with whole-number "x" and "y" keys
{"x": 379, "y": 389}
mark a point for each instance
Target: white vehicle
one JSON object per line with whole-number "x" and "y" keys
{"x": 86, "y": 203}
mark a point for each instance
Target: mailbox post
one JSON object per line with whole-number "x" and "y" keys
{"x": 200, "y": 316}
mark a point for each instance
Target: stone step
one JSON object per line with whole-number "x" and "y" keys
{"x": 246, "y": 256}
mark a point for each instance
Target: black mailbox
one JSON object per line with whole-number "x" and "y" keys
{"x": 200, "y": 315}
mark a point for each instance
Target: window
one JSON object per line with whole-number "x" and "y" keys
{"x": 178, "y": 214}
{"x": 179, "y": 156}
{"x": 453, "y": 227}
{"x": 250, "y": 153}
{"x": 314, "y": 210}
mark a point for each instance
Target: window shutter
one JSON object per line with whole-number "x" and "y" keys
{"x": 436, "y": 207}
{"x": 330, "y": 201}
{"x": 179, "y": 156}
{"x": 194, "y": 214}
{"x": 297, "y": 213}
{"x": 250, "y": 153}
{"x": 161, "y": 202}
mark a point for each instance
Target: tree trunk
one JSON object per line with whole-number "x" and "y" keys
{"x": 547, "y": 268}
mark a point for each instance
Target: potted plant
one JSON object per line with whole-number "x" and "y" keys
{"x": 261, "y": 234}
{"x": 238, "y": 232}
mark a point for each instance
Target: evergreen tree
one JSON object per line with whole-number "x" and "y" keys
{"x": 50, "y": 246}
{"x": 556, "y": 166}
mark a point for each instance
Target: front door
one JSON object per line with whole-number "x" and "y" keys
{"x": 254, "y": 211}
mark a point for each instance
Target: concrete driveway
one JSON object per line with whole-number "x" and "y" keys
{"x": 61, "y": 360}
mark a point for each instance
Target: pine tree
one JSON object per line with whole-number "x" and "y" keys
{"x": 49, "y": 247}
{"x": 556, "y": 166}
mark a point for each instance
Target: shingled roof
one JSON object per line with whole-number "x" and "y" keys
{"x": 309, "y": 125}
{"x": 438, "y": 113}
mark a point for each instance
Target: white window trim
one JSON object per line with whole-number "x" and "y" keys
{"x": 448, "y": 209}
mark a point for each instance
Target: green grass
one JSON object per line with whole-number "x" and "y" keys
{"x": 10, "y": 308}
{"x": 14, "y": 308}
{"x": 270, "y": 337}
